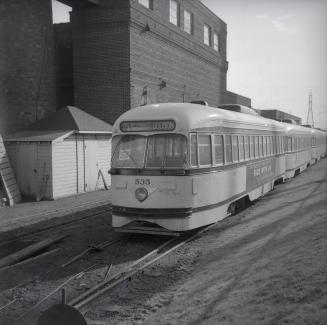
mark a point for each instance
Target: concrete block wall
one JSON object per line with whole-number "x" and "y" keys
{"x": 190, "y": 69}
{"x": 27, "y": 78}
{"x": 101, "y": 59}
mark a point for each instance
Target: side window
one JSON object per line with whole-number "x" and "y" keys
{"x": 264, "y": 146}
{"x": 256, "y": 146}
{"x": 235, "y": 148}
{"x": 193, "y": 150}
{"x": 252, "y": 149}
{"x": 205, "y": 150}
{"x": 219, "y": 149}
{"x": 260, "y": 146}
{"x": 241, "y": 146}
{"x": 228, "y": 148}
{"x": 246, "y": 147}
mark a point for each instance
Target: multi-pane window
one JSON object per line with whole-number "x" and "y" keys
{"x": 260, "y": 147}
{"x": 252, "y": 147}
{"x": 246, "y": 147}
{"x": 241, "y": 147}
{"x": 256, "y": 146}
{"x": 193, "y": 150}
{"x": 235, "y": 148}
{"x": 264, "y": 146}
{"x": 215, "y": 42}
{"x": 205, "y": 149}
{"x": 146, "y": 3}
{"x": 228, "y": 148}
{"x": 206, "y": 34}
{"x": 219, "y": 149}
{"x": 187, "y": 22}
{"x": 173, "y": 12}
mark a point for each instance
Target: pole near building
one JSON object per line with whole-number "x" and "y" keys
{"x": 310, "y": 111}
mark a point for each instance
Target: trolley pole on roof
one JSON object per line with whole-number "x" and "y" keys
{"x": 310, "y": 111}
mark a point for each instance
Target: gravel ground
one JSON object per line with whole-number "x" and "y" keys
{"x": 265, "y": 265}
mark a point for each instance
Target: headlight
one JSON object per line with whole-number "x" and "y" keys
{"x": 141, "y": 194}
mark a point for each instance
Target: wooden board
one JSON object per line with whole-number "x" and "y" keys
{"x": 8, "y": 185}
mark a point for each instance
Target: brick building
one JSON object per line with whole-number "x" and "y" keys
{"x": 278, "y": 115}
{"x": 27, "y": 74}
{"x": 114, "y": 55}
{"x": 133, "y": 52}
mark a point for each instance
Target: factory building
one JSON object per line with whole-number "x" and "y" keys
{"x": 278, "y": 115}
{"x": 112, "y": 56}
{"x": 131, "y": 53}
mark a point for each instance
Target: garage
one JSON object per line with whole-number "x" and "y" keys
{"x": 64, "y": 154}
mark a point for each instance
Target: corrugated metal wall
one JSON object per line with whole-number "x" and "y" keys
{"x": 64, "y": 168}
{"x": 104, "y": 158}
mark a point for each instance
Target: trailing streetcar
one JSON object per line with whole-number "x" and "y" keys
{"x": 181, "y": 166}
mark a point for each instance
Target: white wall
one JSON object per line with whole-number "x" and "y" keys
{"x": 64, "y": 168}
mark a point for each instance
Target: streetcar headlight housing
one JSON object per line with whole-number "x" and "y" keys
{"x": 141, "y": 194}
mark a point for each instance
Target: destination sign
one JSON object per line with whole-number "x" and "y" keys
{"x": 147, "y": 126}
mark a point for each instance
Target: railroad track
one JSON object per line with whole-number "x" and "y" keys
{"x": 137, "y": 266}
{"x": 68, "y": 225}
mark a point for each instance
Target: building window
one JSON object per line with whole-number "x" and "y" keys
{"x": 146, "y": 3}
{"x": 174, "y": 12}
{"x": 188, "y": 22}
{"x": 206, "y": 35}
{"x": 215, "y": 42}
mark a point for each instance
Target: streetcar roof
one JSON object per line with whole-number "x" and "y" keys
{"x": 192, "y": 117}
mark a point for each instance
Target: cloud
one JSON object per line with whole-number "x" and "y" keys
{"x": 280, "y": 25}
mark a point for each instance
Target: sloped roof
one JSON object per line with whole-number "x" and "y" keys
{"x": 71, "y": 119}
{"x": 37, "y": 136}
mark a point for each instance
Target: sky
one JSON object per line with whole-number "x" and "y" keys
{"x": 277, "y": 52}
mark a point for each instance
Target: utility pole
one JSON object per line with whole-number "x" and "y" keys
{"x": 310, "y": 111}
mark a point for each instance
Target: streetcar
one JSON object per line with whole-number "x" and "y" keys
{"x": 180, "y": 166}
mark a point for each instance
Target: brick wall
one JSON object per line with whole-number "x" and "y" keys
{"x": 64, "y": 65}
{"x": 101, "y": 59}
{"x": 170, "y": 65}
{"x": 27, "y": 78}
{"x": 233, "y": 98}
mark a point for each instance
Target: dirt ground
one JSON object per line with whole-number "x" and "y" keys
{"x": 265, "y": 265}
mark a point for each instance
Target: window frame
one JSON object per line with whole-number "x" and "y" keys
{"x": 225, "y": 149}
{"x": 208, "y": 28}
{"x": 210, "y": 146}
{"x": 214, "y": 149}
{"x": 196, "y": 150}
{"x": 216, "y": 46}
{"x": 148, "y": 4}
{"x": 190, "y": 32}
{"x": 171, "y": 17}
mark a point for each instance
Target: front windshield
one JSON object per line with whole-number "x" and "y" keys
{"x": 164, "y": 150}
{"x": 130, "y": 152}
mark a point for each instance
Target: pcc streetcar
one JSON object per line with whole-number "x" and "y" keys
{"x": 181, "y": 166}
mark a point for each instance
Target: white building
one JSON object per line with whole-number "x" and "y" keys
{"x": 66, "y": 153}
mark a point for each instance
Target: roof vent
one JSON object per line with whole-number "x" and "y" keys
{"x": 200, "y": 102}
{"x": 239, "y": 109}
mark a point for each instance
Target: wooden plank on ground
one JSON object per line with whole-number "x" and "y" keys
{"x": 7, "y": 178}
